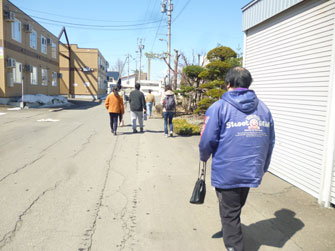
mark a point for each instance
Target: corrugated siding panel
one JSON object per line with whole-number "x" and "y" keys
{"x": 332, "y": 194}
{"x": 262, "y": 10}
{"x": 289, "y": 57}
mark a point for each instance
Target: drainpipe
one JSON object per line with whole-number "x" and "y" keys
{"x": 329, "y": 142}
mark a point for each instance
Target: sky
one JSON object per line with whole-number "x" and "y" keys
{"x": 116, "y": 27}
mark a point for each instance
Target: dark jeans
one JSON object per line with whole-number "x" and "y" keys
{"x": 168, "y": 116}
{"x": 113, "y": 120}
{"x": 231, "y": 202}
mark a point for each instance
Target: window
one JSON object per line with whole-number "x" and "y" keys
{"x": 34, "y": 76}
{"x": 17, "y": 73}
{"x": 44, "y": 73}
{"x": 44, "y": 45}
{"x": 33, "y": 40}
{"x": 54, "y": 79}
{"x": 16, "y": 30}
{"x": 53, "y": 50}
{"x": 10, "y": 80}
{"x": 99, "y": 83}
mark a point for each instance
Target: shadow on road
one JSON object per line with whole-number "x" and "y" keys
{"x": 82, "y": 104}
{"x": 274, "y": 232}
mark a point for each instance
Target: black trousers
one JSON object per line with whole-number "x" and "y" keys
{"x": 231, "y": 202}
{"x": 113, "y": 120}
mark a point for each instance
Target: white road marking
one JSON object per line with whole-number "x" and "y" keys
{"x": 1, "y": 113}
{"x": 47, "y": 120}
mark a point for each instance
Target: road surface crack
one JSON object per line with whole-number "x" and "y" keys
{"x": 91, "y": 231}
{"x": 40, "y": 156}
{"x": 82, "y": 147}
{"x": 8, "y": 237}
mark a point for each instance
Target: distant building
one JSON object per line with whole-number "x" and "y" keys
{"x": 289, "y": 48}
{"x": 112, "y": 78}
{"x": 29, "y": 59}
{"x": 86, "y": 77}
{"x": 154, "y": 85}
{"x": 128, "y": 82}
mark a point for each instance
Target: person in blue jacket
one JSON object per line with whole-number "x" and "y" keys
{"x": 239, "y": 134}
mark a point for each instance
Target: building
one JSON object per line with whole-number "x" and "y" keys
{"x": 29, "y": 60}
{"x": 128, "y": 82}
{"x": 112, "y": 78}
{"x": 154, "y": 85}
{"x": 290, "y": 51}
{"x": 86, "y": 77}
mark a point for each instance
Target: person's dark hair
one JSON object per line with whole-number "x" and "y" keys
{"x": 238, "y": 77}
{"x": 168, "y": 87}
{"x": 115, "y": 91}
{"x": 118, "y": 85}
{"x": 137, "y": 86}
{"x": 149, "y": 91}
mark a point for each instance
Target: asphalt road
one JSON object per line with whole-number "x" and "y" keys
{"x": 66, "y": 183}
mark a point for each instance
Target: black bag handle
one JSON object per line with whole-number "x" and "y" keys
{"x": 203, "y": 170}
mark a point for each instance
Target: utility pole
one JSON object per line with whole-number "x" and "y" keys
{"x": 169, "y": 14}
{"x": 175, "y": 72}
{"x": 140, "y": 47}
{"x": 128, "y": 71}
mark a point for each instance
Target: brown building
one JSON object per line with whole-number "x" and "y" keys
{"x": 86, "y": 77}
{"x": 29, "y": 59}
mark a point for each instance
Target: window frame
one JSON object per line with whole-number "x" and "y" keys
{"x": 17, "y": 73}
{"x": 44, "y": 45}
{"x": 53, "y": 50}
{"x": 32, "y": 76}
{"x": 54, "y": 81}
{"x": 33, "y": 46}
{"x": 17, "y": 36}
{"x": 44, "y": 73}
{"x": 10, "y": 79}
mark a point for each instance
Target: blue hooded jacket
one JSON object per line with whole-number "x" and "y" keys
{"x": 239, "y": 134}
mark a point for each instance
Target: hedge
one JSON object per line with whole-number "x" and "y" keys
{"x": 182, "y": 127}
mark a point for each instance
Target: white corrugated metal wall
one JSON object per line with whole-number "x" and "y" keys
{"x": 332, "y": 194}
{"x": 289, "y": 57}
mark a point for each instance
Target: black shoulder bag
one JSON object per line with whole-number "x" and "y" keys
{"x": 199, "y": 191}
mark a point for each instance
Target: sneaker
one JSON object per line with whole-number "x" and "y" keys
{"x": 134, "y": 131}
{"x": 115, "y": 133}
{"x": 166, "y": 135}
{"x": 171, "y": 134}
{"x": 141, "y": 129}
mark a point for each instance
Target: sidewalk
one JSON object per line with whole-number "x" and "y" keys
{"x": 278, "y": 215}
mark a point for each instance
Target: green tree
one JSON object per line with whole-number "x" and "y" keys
{"x": 221, "y": 60}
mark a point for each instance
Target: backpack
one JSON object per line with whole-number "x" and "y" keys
{"x": 169, "y": 103}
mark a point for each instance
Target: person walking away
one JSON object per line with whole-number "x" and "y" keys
{"x": 114, "y": 105}
{"x": 239, "y": 134}
{"x": 150, "y": 100}
{"x": 137, "y": 106}
{"x": 168, "y": 101}
{"x": 122, "y": 93}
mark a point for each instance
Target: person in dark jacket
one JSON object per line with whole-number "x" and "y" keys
{"x": 137, "y": 106}
{"x": 239, "y": 134}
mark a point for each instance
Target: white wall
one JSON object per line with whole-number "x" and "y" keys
{"x": 290, "y": 57}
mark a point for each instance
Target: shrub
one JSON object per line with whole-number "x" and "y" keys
{"x": 182, "y": 127}
{"x": 159, "y": 108}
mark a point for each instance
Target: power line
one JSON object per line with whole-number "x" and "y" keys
{"x": 95, "y": 26}
{"x": 86, "y": 19}
{"x": 101, "y": 29}
{"x": 157, "y": 32}
{"x": 182, "y": 10}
